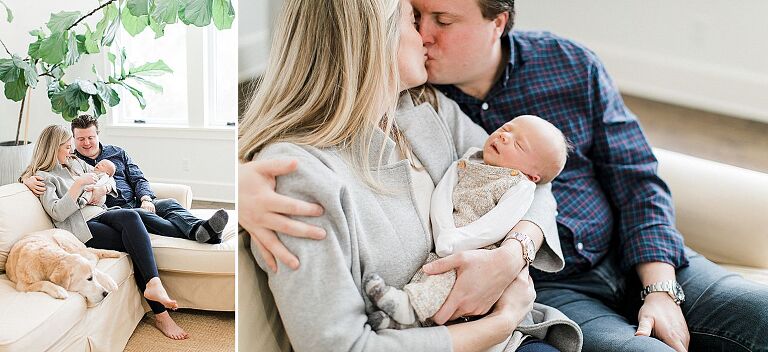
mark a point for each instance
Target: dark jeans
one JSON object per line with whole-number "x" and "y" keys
{"x": 724, "y": 312}
{"x": 122, "y": 230}
{"x": 170, "y": 219}
{"x": 535, "y": 345}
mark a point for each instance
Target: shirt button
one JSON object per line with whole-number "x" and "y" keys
{"x": 580, "y": 246}
{"x": 484, "y": 106}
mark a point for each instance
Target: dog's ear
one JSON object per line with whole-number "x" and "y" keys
{"x": 62, "y": 275}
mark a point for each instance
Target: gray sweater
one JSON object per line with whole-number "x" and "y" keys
{"x": 66, "y": 213}
{"x": 322, "y": 304}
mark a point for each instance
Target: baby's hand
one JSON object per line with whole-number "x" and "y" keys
{"x": 88, "y": 188}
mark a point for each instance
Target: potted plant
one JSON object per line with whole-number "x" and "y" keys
{"x": 66, "y": 38}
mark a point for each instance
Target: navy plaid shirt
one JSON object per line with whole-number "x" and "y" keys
{"x": 130, "y": 181}
{"x": 609, "y": 195}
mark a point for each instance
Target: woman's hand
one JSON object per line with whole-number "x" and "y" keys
{"x": 261, "y": 211}
{"x": 86, "y": 179}
{"x": 481, "y": 277}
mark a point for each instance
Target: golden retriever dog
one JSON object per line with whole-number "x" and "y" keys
{"x": 54, "y": 261}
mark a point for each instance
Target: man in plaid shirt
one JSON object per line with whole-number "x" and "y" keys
{"x": 616, "y": 220}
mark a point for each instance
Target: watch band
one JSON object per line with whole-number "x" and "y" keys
{"x": 529, "y": 248}
{"x": 671, "y": 287}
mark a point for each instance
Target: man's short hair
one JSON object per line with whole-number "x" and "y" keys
{"x": 492, "y": 8}
{"x": 84, "y": 121}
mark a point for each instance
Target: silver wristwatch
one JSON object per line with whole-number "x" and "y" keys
{"x": 529, "y": 248}
{"x": 671, "y": 287}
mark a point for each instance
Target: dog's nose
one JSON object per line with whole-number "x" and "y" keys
{"x": 104, "y": 293}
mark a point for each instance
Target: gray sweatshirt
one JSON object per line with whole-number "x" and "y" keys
{"x": 66, "y": 213}
{"x": 322, "y": 304}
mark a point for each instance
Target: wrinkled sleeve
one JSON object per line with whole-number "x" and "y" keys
{"x": 136, "y": 178}
{"x": 58, "y": 208}
{"x": 627, "y": 168}
{"x": 320, "y": 304}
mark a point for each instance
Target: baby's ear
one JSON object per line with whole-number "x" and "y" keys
{"x": 534, "y": 178}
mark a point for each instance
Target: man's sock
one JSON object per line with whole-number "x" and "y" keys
{"x": 210, "y": 230}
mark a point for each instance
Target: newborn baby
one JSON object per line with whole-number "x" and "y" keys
{"x": 104, "y": 170}
{"x": 478, "y": 201}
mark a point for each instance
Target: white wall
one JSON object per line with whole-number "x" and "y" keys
{"x": 204, "y": 159}
{"x": 255, "y": 35}
{"x": 706, "y": 54}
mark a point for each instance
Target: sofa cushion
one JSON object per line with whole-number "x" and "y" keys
{"x": 34, "y": 320}
{"x": 182, "y": 255}
{"x": 20, "y": 214}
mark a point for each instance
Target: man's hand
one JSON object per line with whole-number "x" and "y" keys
{"x": 661, "y": 317}
{"x": 481, "y": 277}
{"x": 147, "y": 205}
{"x": 517, "y": 299}
{"x": 98, "y": 195}
{"x": 35, "y": 184}
{"x": 261, "y": 211}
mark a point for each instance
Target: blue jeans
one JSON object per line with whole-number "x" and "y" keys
{"x": 170, "y": 219}
{"x": 724, "y": 312}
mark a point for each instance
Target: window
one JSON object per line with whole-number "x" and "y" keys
{"x": 202, "y": 90}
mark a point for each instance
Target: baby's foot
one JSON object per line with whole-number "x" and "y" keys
{"x": 156, "y": 292}
{"x": 395, "y": 303}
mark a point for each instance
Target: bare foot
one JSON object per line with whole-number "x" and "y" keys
{"x": 156, "y": 292}
{"x": 168, "y": 327}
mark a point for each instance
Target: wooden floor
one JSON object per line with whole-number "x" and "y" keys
{"x": 707, "y": 135}
{"x": 203, "y": 204}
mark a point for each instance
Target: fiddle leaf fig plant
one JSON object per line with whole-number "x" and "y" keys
{"x": 66, "y": 38}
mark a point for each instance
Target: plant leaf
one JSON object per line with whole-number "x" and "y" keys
{"x": 8, "y": 13}
{"x": 15, "y": 90}
{"x": 156, "y": 68}
{"x": 8, "y": 70}
{"x": 87, "y": 87}
{"x": 53, "y": 48}
{"x": 90, "y": 43}
{"x": 166, "y": 11}
{"x": 149, "y": 84}
{"x": 136, "y": 93}
{"x": 30, "y": 71}
{"x": 107, "y": 94}
{"x": 198, "y": 12}
{"x": 74, "y": 96}
{"x": 98, "y": 106}
{"x": 223, "y": 14}
{"x": 61, "y": 21}
{"x": 139, "y": 7}
{"x": 73, "y": 52}
{"x": 157, "y": 27}
{"x": 112, "y": 15}
{"x": 132, "y": 24}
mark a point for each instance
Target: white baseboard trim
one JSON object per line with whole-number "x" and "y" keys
{"x": 687, "y": 83}
{"x": 207, "y": 191}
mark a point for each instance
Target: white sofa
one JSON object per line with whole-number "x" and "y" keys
{"x": 721, "y": 212}
{"x": 199, "y": 276}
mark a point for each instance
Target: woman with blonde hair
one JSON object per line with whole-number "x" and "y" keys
{"x": 334, "y": 98}
{"x": 66, "y": 178}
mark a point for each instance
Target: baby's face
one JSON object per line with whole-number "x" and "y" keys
{"x": 525, "y": 144}
{"x": 106, "y": 167}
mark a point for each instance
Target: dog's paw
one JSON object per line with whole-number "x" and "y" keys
{"x": 58, "y": 292}
{"x": 374, "y": 286}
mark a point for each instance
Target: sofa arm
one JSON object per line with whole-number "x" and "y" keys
{"x": 182, "y": 193}
{"x": 721, "y": 209}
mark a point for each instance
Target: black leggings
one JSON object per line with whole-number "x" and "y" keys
{"x": 122, "y": 230}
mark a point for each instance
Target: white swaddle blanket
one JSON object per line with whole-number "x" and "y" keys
{"x": 489, "y": 228}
